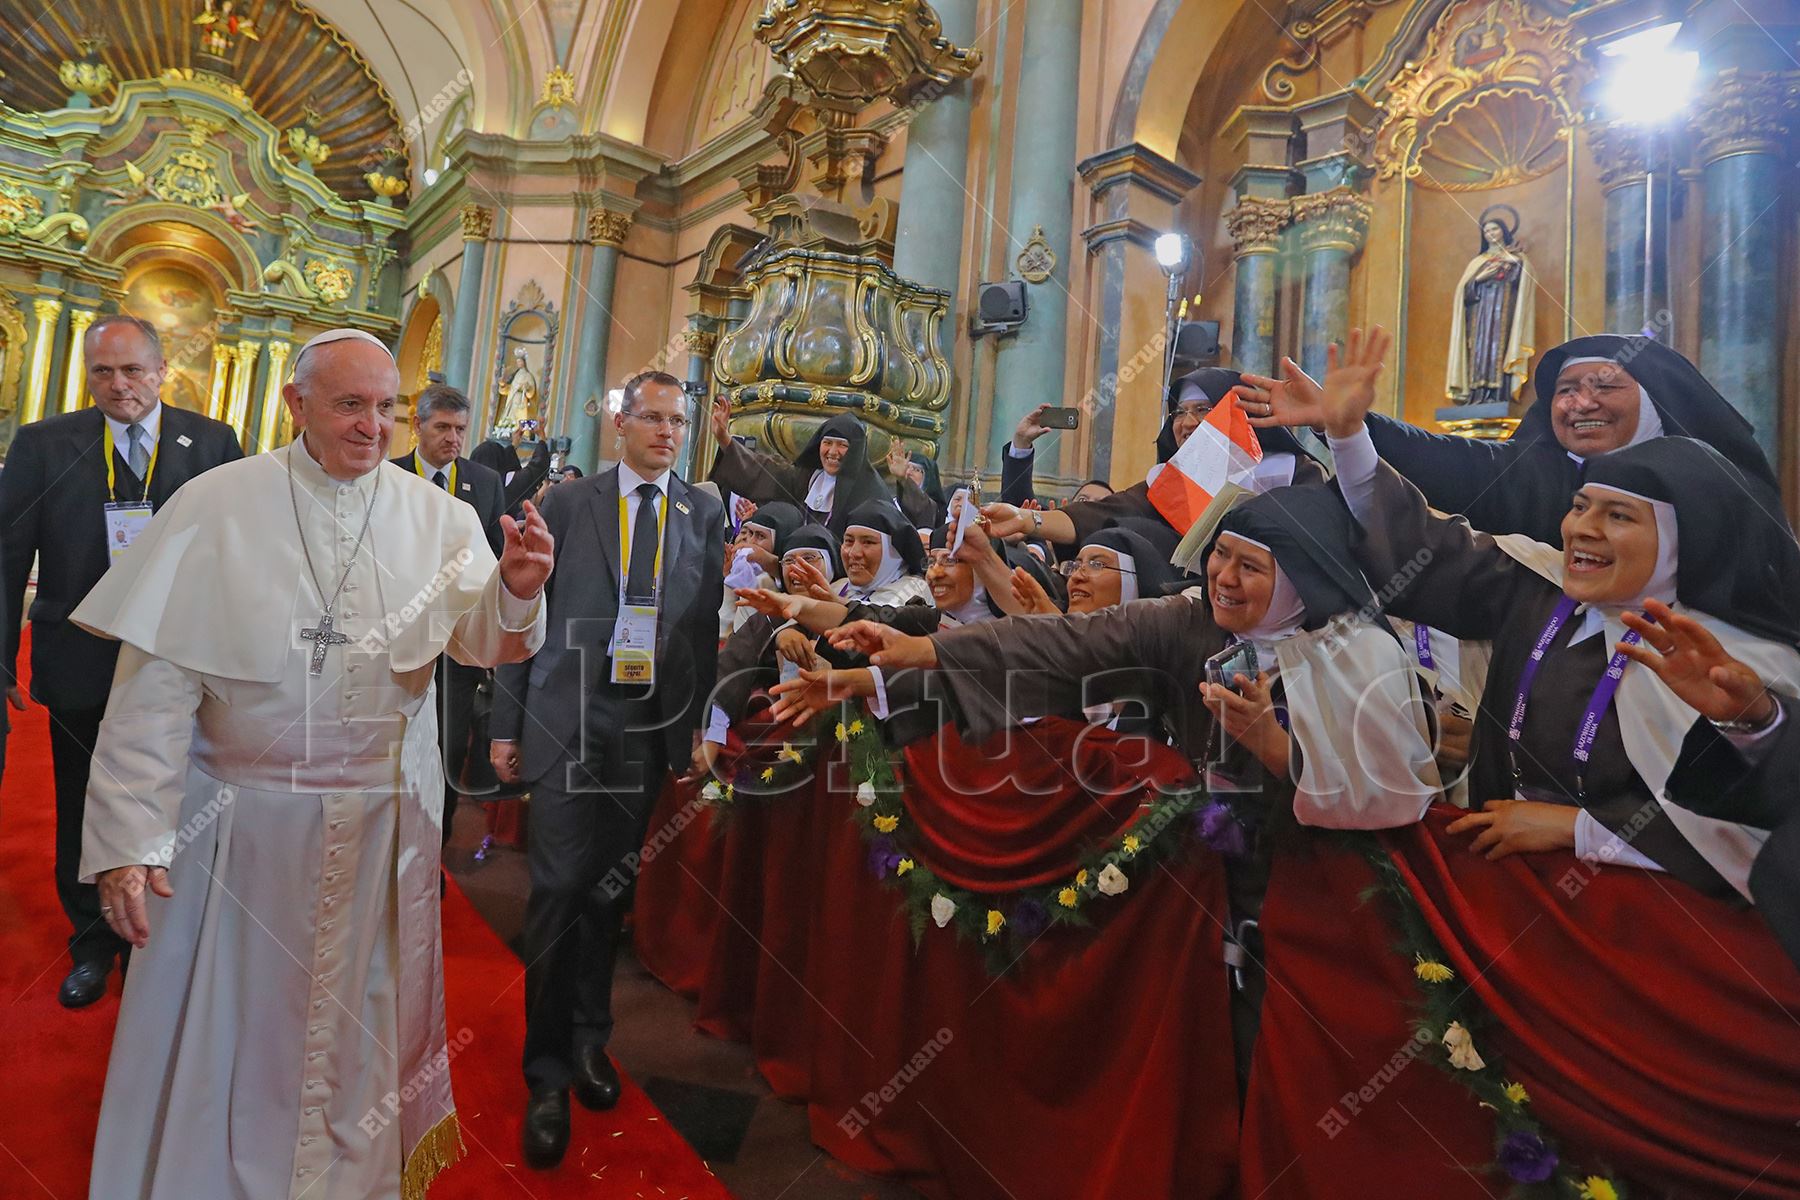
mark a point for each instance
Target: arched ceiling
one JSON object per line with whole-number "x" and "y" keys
{"x": 300, "y": 58}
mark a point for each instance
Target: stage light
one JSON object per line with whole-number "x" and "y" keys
{"x": 1171, "y": 251}
{"x": 1649, "y": 81}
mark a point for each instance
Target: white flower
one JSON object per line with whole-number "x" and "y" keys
{"x": 1112, "y": 881}
{"x": 865, "y": 796}
{"x": 712, "y": 792}
{"x": 1462, "y": 1048}
{"x": 942, "y": 909}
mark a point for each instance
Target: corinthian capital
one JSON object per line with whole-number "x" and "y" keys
{"x": 608, "y": 226}
{"x": 1256, "y": 224}
{"x": 1621, "y": 153}
{"x": 1746, "y": 112}
{"x": 1335, "y": 219}
{"x": 477, "y": 223}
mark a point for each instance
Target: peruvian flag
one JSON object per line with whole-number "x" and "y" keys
{"x": 1222, "y": 451}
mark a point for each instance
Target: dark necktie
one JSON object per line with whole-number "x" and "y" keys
{"x": 640, "y": 577}
{"x": 437, "y": 477}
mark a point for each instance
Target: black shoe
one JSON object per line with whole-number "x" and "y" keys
{"x": 596, "y": 1079}
{"x": 85, "y": 984}
{"x": 546, "y": 1127}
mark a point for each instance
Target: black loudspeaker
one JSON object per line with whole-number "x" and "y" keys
{"x": 1196, "y": 346}
{"x": 999, "y": 307}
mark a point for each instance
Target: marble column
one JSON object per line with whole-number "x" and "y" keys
{"x": 269, "y": 425}
{"x": 1332, "y": 226}
{"x": 1028, "y": 368}
{"x": 221, "y": 373}
{"x": 1256, "y": 226}
{"x": 606, "y": 229}
{"x": 459, "y": 349}
{"x": 75, "y": 373}
{"x": 1634, "y": 298}
{"x": 701, "y": 339}
{"x": 1743, "y": 127}
{"x": 934, "y": 183}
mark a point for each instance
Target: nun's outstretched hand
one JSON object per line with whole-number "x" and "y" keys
{"x": 1685, "y": 655}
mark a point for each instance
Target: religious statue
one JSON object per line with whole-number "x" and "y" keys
{"x": 521, "y": 395}
{"x": 1491, "y": 324}
{"x": 222, "y": 26}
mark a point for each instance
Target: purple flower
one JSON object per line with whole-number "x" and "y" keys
{"x": 1525, "y": 1158}
{"x": 883, "y": 857}
{"x": 1029, "y": 919}
{"x": 1220, "y": 829}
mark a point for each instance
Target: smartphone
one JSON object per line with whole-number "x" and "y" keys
{"x": 1224, "y": 667}
{"x": 1061, "y": 418}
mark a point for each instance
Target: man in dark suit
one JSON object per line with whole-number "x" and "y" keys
{"x": 440, "y": 425}
{"x": 635, "y": 596}
{"x": 75, "y": 489}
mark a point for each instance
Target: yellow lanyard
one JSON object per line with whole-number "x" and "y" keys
{"x": 662, "y": 514}
{"x": 419, "y": 466}
{"x": 112, "y": 478}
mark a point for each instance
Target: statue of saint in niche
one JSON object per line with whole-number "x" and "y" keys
{"x": 521, "y": 404}
{"x": 1491, "y": 327}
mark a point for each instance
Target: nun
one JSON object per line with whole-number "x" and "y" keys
{"x": 1281, "y": 585}
{"x": 829, "y": 479}
{"x": 1284, "y": 462}
{"x": 1594, "y": 394}
{"x": 883, "y": 557}
{"x": 1125, "y": 561}
{"x": 754, "y": 559}
{"x": 1572, "y": 748}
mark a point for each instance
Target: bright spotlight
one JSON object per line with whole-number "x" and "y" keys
{"x": 1649, "y": 82}
{"x": 1171, "y": 251}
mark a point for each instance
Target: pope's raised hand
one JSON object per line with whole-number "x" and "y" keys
{"x": 529, "y": 553}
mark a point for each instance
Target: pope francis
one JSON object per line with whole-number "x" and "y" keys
{"x": 263, "y": 818}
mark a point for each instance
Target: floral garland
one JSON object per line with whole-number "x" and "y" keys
{"x": 793, "y": 766}
{"x": 1523, "y": 1150}
{"x": 1003, "y": 925}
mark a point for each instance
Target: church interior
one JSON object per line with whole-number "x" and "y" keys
{"x": 939, "y": 217}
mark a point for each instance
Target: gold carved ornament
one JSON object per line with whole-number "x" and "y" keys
{"x": 22, "y": 215}
{"x": 559, "y": 88}
{"x": 856, "y": 51}
{"x": 608, "y": 227}
{"x": 1336, "y": 219}
{"x": 431, "y": 354}
{"x": 188, "y": 179}
{"x": 1036, "y": 261}
{"x": 1621, "y": 152}
{"x": 1310, "y": 33}
{"x": 1478, "y": 51}
{"x": 330, "y": 279}
{"x": 477, "y": 223}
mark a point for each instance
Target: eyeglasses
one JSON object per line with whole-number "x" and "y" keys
{"x": 1092, "y": 566}
{"x": 676, "y": 422}
{"x": 812, "y": 558}
{"x": 940, "y": 558}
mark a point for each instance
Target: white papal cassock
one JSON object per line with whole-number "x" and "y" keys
{"x": 283, "y": 1033}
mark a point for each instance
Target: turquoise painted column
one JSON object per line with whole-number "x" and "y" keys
{"x": 934, "y": 183}
{"x": 701, "y": 339}
{"x": 459, "y": 348}
{"x": 1742, "y": 130}
{"x": 1623, "y": 154}
{"x": 1256, "y": 226}
{"x": 606, "y": 230}
{"x": 1028, "y": 368}
{"x": 1331, "y": 228}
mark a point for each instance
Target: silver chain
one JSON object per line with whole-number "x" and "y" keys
{"x": 300, "y": 528}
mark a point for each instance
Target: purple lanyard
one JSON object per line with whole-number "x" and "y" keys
{"x": 1596, "y": 709}
{"x": 1422, "y": 640}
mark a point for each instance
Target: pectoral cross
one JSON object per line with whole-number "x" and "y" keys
{"x": 323, "y": 638}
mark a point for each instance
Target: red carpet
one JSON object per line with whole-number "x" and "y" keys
{"x": 56, "y": 1060}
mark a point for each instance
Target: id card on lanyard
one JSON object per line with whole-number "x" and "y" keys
{"x": 125, "y": 519}
{"x": 633, "y": 647}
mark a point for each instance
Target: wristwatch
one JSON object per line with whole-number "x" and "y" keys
{"x": 1037, "y": 521}
{"x": 1749, "y": 726}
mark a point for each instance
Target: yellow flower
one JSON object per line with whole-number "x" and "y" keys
{"x": 789, "y": 754}
{"x": 1132, "y": 845}
{"x": 768, "y": 773}
{"x": 1516, "y": 1093}
{"x": 840, "y": 731}
{"x": 995, "y": 920}
{"x": 1066, "y": 897}
{"x": 856, "y": 727}
{"x": 1596, "y": 1188}
{"x": 887, "y": 824}
{"x": 1081, "y": 878}
{"x": 1431, "y": 971}
{"x": 906, "y": 864}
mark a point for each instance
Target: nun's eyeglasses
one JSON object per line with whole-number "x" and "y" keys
{"x": 940, "y": 558}
{"x": 814, "y": 558}
{"x": 1093, "y": 566}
